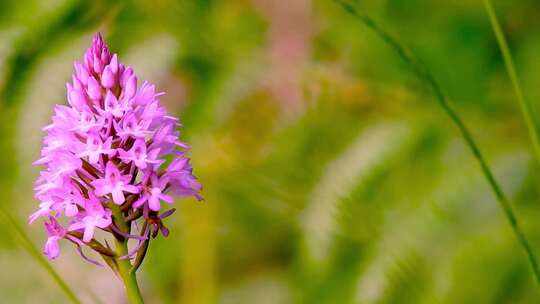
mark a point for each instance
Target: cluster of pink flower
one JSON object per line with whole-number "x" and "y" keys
{"x": 111, "y": 156}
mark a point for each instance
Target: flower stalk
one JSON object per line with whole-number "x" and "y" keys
{"x": 129, "y": 277}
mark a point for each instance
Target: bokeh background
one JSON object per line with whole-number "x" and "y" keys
{"x": 330, "y": 174}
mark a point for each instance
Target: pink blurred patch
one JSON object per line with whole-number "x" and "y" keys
{"x": 288, "y": 50}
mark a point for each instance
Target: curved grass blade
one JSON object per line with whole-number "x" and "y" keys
{"x": 25, "y": 242}
{"x": 425, "y": 75}
{"x": 526, "y": 107}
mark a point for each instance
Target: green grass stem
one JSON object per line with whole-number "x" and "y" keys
{"x": 526, "y": 107}
{"x": 425, "y": 75}
{"x": 27, "y": 244}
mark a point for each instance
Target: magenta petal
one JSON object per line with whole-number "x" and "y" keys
{"x": 153, "y": 203}
{"x": 101, "y": 187}
{"x": 88, "y": 233}
{"x": 76, "y": 226}
{"x": 114, "y": 64}
{"x": 98, "y": 65}
{"x": 166, "y": 198}
{"x": 52, "y": 248}
{"x": 94, "y": 89}
{"x": 83, "y": 74}
{"x": 77, "y": 99}
{"x": 107, "y": 78}
{"x": 130, "y": 88}
{"x": 71, "y": 210}
{"x": 118, "y": 197}
{"x": 138, "y": 203}
{"x": 131, "y": 189}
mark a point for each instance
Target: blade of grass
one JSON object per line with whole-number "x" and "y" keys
{"x": 526, "y": 107}
{"x": 27, "y": 244}
{"x": 424, "y": 74}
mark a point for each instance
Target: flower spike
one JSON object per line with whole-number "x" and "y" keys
{"x": 104, "y": 154}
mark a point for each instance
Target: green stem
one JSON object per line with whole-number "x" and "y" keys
{"x": 526, "y": 107}
{"x": 128, "y": 277}
{"x": 424, "y": 74}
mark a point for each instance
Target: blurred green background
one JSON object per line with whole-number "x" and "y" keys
{"x": 330, "y": 174}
